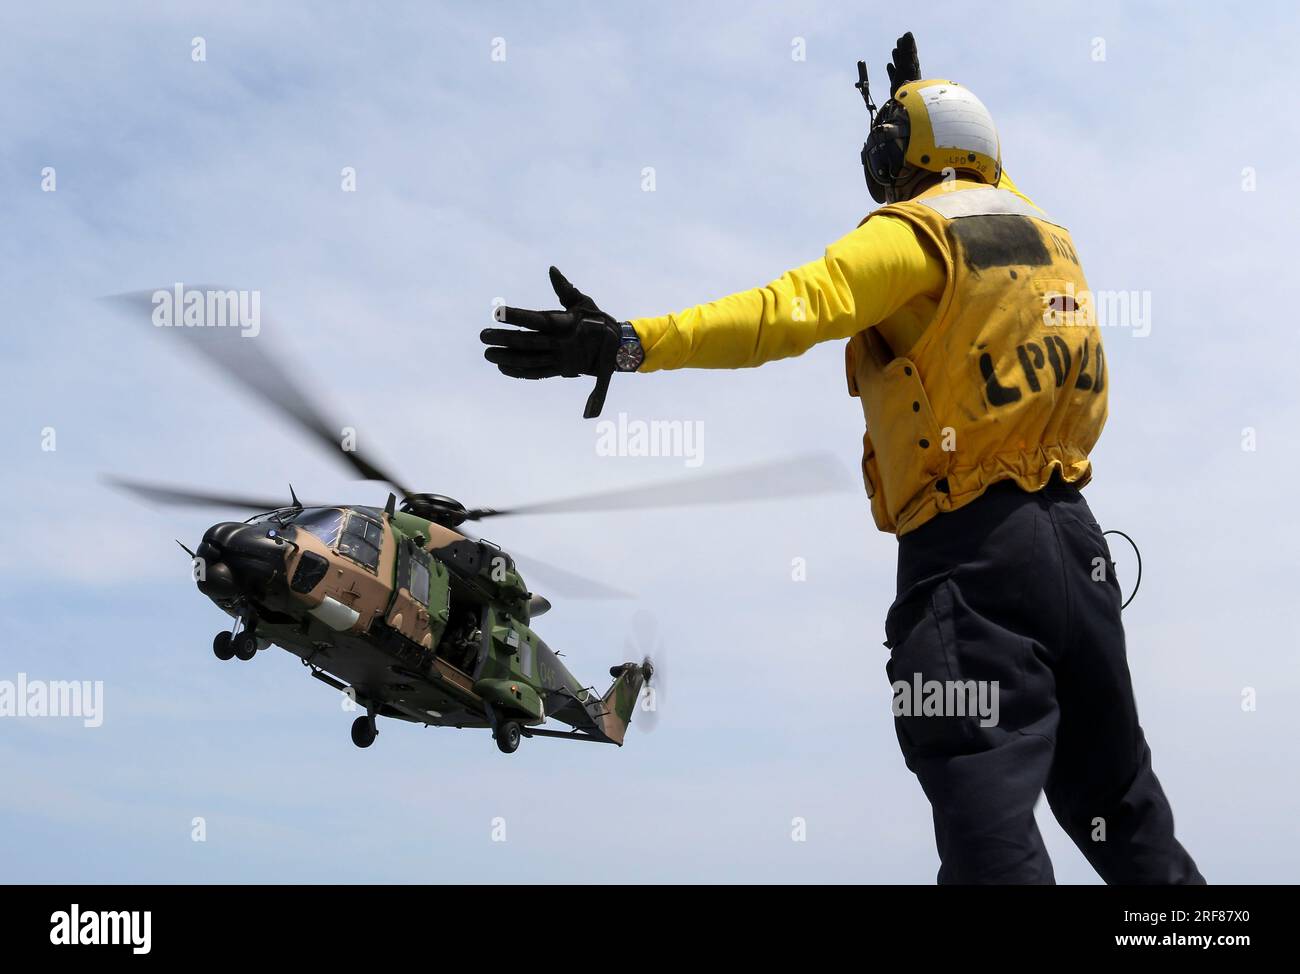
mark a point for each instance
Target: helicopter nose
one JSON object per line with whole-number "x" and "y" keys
{"x": 238, "y": 559}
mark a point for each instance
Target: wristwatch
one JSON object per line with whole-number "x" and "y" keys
{"x": 630, "y": 354}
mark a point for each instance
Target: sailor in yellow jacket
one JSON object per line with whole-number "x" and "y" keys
{"x": 973, "y": 347}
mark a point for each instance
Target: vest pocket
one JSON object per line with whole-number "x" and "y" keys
{"x": 908, "y": 441}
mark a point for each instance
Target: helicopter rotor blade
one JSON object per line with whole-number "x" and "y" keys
{"x": 240, "y": 357}
{"x": 799, "y": 476}
{"x": 184, "y": 496}
{"x": 567, "y": 584}
{"x": 564, "y": 583}
{"x": 559, "y": 581}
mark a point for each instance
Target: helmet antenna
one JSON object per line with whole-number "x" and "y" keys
{"x": 864, "y": 87}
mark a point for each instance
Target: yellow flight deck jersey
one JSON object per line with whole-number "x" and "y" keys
{"x": 972, "y": 345}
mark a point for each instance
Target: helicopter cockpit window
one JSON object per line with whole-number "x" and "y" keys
{"x": 362, "y": 538}
{"x": 321, "y": 522}
{"x": 418, "y": 580}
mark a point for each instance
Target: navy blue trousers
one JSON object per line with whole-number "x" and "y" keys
{"x": 1018, "y": 589}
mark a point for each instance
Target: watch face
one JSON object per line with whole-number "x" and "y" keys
{"x": 630, "y": 356}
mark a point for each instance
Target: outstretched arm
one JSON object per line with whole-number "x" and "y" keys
{"x": 862, "y": 278}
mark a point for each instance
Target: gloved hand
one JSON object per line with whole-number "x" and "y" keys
{"x": 904, "y": 65}
{"x": 580, "y": 340}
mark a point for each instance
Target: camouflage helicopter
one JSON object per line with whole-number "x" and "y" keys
{"x": 400, "y": 606}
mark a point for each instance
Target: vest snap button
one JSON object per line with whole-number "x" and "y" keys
{"x": 925, "y": 444}
{"x": 907, "y": 370}
{"x": 916, "y": 407}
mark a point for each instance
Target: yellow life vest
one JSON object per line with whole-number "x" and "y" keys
{"x": 1006, "y": 382}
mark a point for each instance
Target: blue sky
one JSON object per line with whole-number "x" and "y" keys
{"x": 473, "y": 175}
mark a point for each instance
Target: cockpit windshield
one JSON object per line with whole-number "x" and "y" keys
{"x": 321, "y": 522}
{"x": 363, "y": 538}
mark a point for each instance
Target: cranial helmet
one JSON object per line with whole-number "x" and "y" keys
{"x": 928, "y": 127}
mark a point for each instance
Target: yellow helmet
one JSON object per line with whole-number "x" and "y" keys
{"x": 933, "y": 126}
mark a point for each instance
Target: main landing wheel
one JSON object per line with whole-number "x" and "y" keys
{"x": 508, "y": 735}
{"x": 364, "y": 731}
{"x": 223, "y": 646}
{"x": 245, "y": 645}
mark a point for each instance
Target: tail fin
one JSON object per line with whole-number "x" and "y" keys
{"x": 619, "y": 700}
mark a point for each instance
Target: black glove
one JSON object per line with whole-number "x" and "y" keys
{"x": 580, "y": 340}
{"x": 904, "y": 65}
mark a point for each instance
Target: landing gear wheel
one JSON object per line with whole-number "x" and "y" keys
{"x": 508, "y": 735}
{"x": 223, "y": 646}
{"x": 245, "y": 645}
{"x": 364, "y": 731}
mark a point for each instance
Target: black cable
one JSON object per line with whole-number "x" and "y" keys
{"x": 1136, "y": 584}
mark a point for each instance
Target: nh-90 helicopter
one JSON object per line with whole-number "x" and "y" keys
{"x": 401, "y": 607}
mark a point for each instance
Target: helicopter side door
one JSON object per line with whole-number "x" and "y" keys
{"x": 420, "y": 606}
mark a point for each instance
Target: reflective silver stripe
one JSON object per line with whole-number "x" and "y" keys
{"x": 989, "y": 201}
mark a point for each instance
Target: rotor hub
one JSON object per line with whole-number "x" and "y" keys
{"x": 438, "y": 508}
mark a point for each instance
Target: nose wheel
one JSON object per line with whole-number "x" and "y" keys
{"x": 364, "y": 731}
{"x": 245, "y": 645}
{"x": 223, "y": 646}
{"x": 240, "y": 643}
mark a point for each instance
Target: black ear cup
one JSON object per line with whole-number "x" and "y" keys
{"x": 875, "y": 188}
{"x": 885, "y": 151}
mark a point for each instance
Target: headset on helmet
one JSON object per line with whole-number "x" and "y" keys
{"x": 933, "y": 126}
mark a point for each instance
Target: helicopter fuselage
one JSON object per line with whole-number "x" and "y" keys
{"x": 409, "y": 618}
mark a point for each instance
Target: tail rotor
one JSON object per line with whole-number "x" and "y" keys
{"x": 645, "y": 640}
